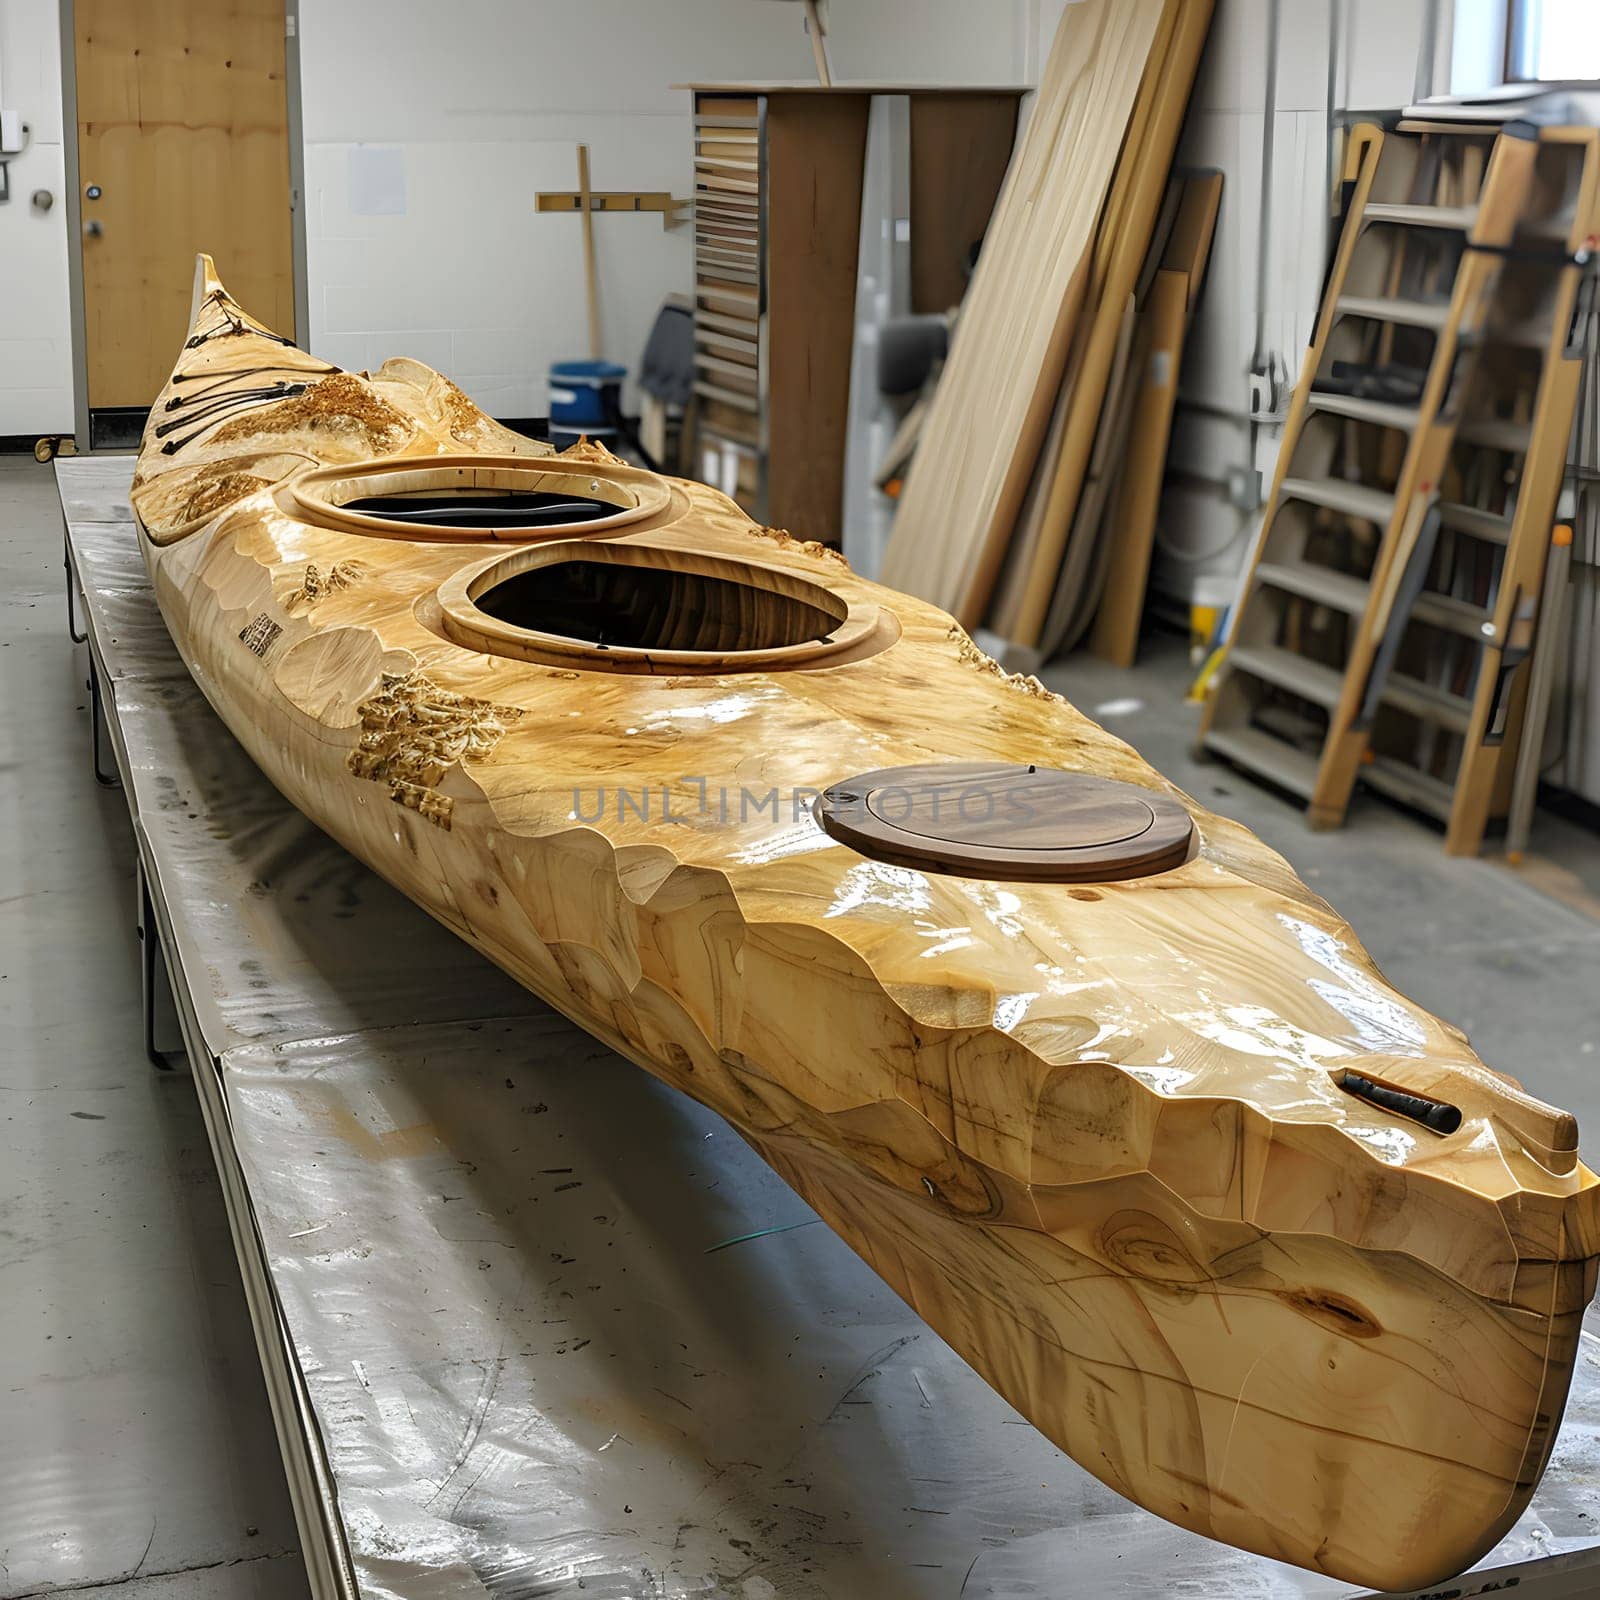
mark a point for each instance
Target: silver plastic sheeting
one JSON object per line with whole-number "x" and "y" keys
{"x": 553, "y": 1329}
{"x": 539, "y": 1359}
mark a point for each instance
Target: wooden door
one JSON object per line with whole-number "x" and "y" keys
{"x": 183, "y": 145}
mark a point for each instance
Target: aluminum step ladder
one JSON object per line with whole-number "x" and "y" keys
{"x": 1431, "y": 212}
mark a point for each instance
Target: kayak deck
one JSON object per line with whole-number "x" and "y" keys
{"x": 819, "y": 1337}
{"x": 1118, "y": 1142}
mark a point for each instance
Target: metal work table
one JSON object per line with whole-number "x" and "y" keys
{"x": 533, "y": 1324}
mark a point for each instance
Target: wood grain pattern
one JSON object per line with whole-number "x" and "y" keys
{"x": 1106, "y": 1138}
{"x": 816, "y": 153}
{"x": 960, "y": 147}
{"x": 1009, "y": 823}
{"x": 183, "y": 127}
{"x": 1010, "y": 348}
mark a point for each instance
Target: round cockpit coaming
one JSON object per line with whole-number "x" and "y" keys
{"x": 646, "y": 608}
{"x": 482, "y": 499}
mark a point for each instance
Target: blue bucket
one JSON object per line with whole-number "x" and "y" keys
{"x": 585, "y": 400}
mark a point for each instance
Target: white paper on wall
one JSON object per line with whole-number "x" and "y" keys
{"x": 377, "y": 177}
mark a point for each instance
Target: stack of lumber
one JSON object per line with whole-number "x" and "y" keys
{"x": 1103, "y": 572}
{"x": 1020, "y": 452}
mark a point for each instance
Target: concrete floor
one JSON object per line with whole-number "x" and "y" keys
{"x": 137, "y": 1457}
{"x": 136, "y": 1450}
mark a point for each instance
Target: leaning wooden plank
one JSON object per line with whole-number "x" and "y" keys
{"x": 1098, "y": 532}
{"x": 1089, "y": 1076}
{"x": 1082, "y": 565}
{"x": 1004, "y": 579}
{"x": 1025, "y": 529}
{"x": 1154, "y": 161}
{"x": 1188, "y": 246}
{"x": 1129, "y": 525}
{"x": 1110, "y": 437}
{"x": 1132, "y": 520}
{"x": 993, "y": 404}
{"x": 1069, "y": 424}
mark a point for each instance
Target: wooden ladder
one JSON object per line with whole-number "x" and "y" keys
{"x": 1443, "y": 738}
{"x": 1368, "y": 435}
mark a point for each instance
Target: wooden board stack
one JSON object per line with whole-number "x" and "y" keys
{"x": 1106, "y": 564}
{"x": 1021, "y": 420}
{"x": 727, "y": 277}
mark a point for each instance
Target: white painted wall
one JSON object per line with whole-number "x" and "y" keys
{"x": 485, "y": 100}
{"x": 1477, "y": 45}
{"x": 1375, "y": 47}
{"x": 35, "y": 321}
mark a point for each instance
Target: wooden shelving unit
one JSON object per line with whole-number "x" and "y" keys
{"x": 778, "y": 183}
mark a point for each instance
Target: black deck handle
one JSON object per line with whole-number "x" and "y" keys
{"x": 1436, "y": 1114}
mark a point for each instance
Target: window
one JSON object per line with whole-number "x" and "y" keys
{"x": 1552, "y": 39}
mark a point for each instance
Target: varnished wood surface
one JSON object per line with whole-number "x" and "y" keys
{"x": 657, "y": 609}
{"x": 1098, "y": 1134}
{"x": 1009, "y": 824}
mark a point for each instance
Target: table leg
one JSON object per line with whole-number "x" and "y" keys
{"x": 97, "y": 717}
{"x": 72, "y": 589}
{"x": 151, "y": 962}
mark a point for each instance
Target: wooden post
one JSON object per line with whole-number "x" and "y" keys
{"x": 591, "y": 281}
{"x": 819, "y": 43}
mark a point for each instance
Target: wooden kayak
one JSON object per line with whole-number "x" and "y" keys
{"x": 1090, "y": 1077}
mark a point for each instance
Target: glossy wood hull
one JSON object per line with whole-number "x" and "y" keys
{"x": 1095, "y": 1134}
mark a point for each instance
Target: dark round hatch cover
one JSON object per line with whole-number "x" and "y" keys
{"x": 979, "y": 819}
